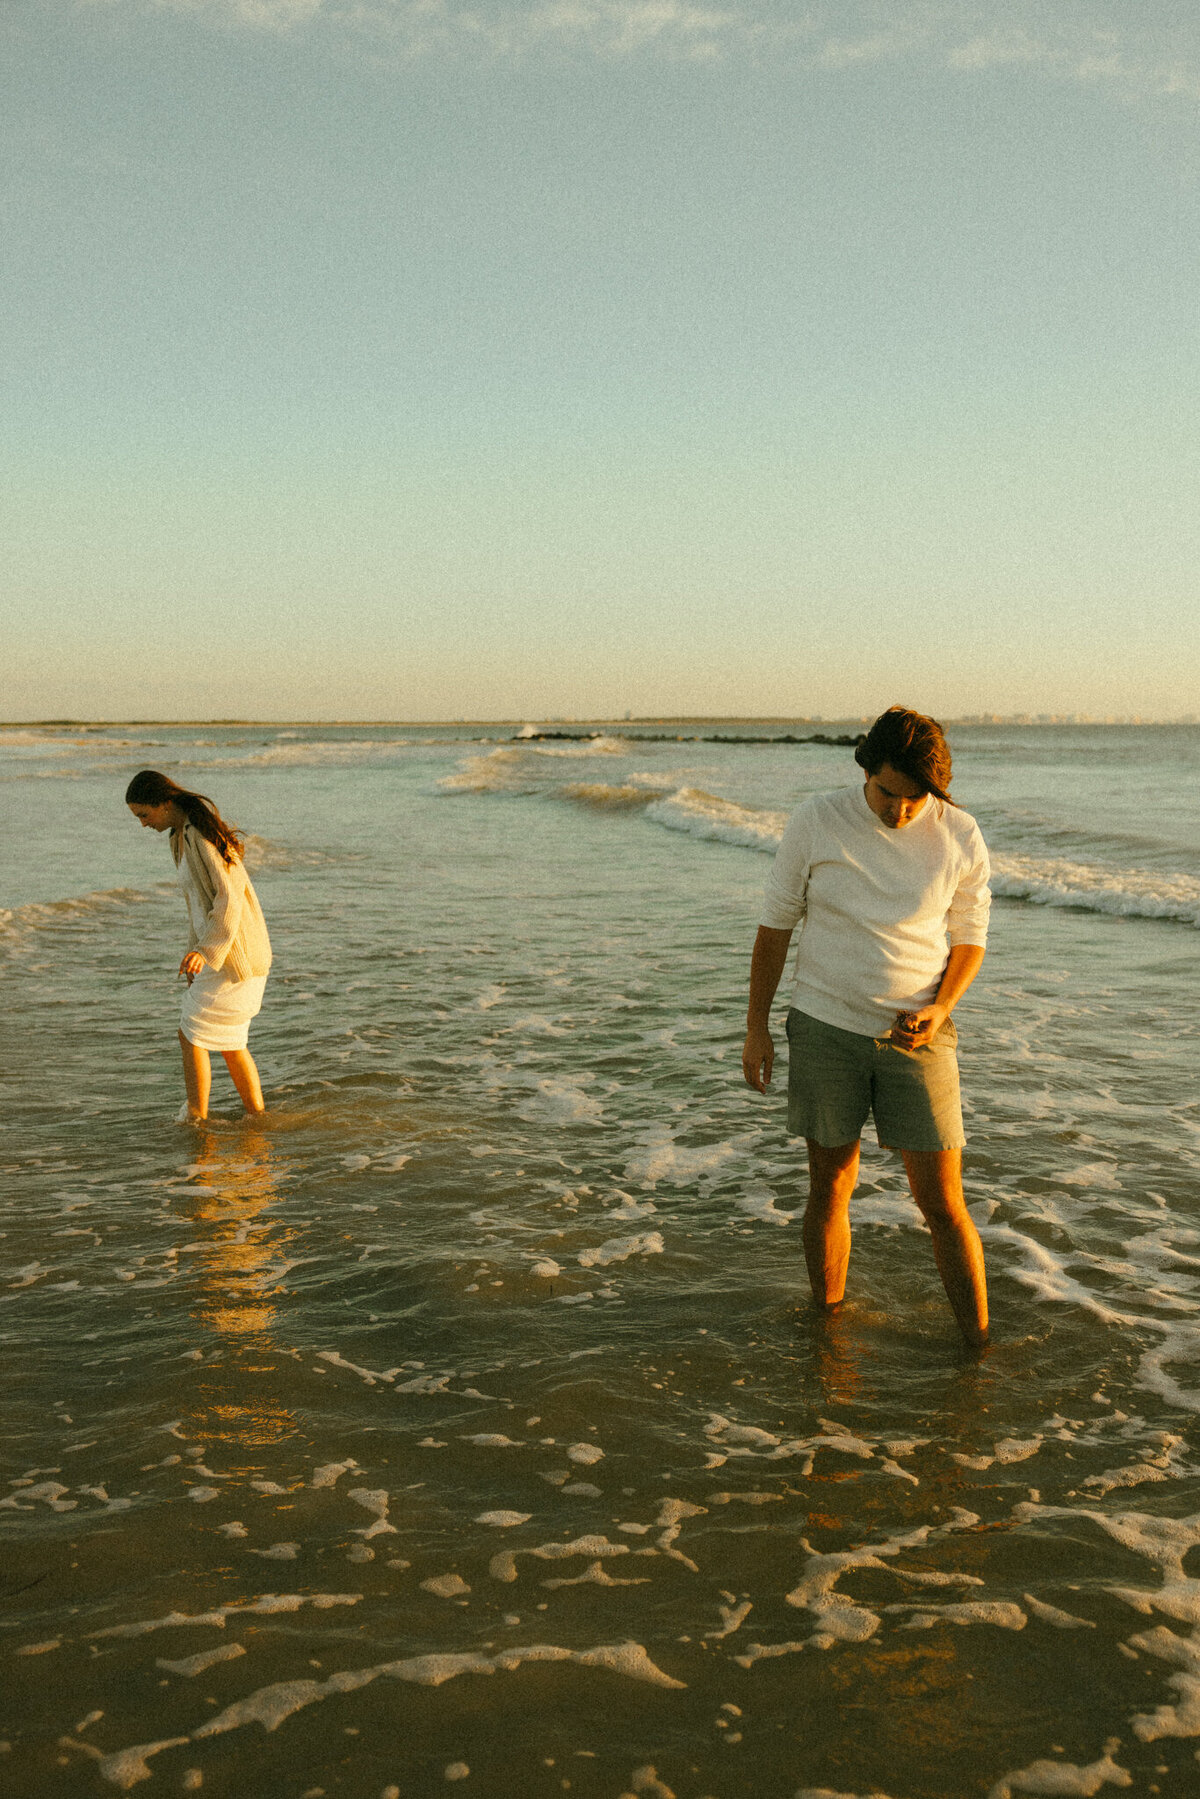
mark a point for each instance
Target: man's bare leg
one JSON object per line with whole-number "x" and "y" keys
{"x": 935, "y": 1176}
{"x": 197, "y": 1077}
{"x": 240, "y": 1064}
{"x": 831, "y": 1177}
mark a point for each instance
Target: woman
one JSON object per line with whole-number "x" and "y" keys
{"x": 229, "y": 952}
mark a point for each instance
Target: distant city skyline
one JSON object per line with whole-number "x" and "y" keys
{"x": 507, "y": 360}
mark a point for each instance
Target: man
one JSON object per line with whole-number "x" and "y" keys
{"x": 890, "y": 880}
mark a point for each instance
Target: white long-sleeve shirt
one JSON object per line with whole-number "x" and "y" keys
{"x": 877, "y": 904}
{"x": 225, "y": 919}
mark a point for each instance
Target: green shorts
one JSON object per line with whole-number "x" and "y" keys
{"x": 836, "y": 1078}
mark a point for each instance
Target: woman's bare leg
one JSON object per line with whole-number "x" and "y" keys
{"x": 831, "y": 1177}
{"x": 197, "y": 1077}
{"x": 240, "y": 1064}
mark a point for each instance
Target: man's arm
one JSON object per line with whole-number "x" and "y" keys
{"x": 766, "y": 969}
{"x": 962, "y": 965}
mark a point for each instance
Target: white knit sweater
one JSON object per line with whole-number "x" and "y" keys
{"x": 877, "y": 905}
{"x": 235, "y": 933}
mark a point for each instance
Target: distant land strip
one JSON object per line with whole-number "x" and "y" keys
{"x": 677, "y": 737}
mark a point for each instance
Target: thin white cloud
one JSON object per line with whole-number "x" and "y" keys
{"x": 996, "y": 50}
{"x": 1132, "y": 47}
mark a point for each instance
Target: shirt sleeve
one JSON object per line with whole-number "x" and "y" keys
{"x": 785, "y": 897}
{"x": 967, "y": 919}
{"x": 229, "y": 880}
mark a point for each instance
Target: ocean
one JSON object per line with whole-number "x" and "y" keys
{"x": 462, "y": 1425}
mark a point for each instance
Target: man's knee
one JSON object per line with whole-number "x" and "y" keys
{"x": 831, "y": 1171}
{"x": 935, "y": 1177}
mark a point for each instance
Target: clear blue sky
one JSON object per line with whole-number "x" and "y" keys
{"x": 416, "y": 360}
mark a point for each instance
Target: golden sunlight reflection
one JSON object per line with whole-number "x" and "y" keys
{"x": 241, "y": 1264}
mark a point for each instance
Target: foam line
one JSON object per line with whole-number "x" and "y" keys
{"x": 272, "y": 1705}
{"x": 1061, "y": 1777}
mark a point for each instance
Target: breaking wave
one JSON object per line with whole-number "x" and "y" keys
{"x": 1040, "y": 880}
{"x": 1124, "y": 893}
{"x": 15, "y": 921}
{"x": 708, "y": 816}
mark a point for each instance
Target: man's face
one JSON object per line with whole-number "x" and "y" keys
{"x": 893, "y": 798}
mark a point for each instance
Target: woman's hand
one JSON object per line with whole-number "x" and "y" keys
{"x": 191, "y": 965}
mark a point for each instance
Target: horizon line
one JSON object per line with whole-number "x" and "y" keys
{"x": 519, "y": 721}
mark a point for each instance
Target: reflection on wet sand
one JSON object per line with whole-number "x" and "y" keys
{"x": 241, "y": 1264}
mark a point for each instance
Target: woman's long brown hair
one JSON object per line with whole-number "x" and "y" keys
{"x": 149, "y": 788}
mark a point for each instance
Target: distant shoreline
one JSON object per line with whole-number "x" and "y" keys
{"x": 581, "y": 725}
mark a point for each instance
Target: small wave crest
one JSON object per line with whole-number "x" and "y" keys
{"x": 15, "y": 921}
{"x": 489, "y": 773}
{"x": 1123, "y": 893}
{"x": 521, "y": 768}
{"x": 707, "y": 816}
{"x": 261, "y": 854}
{"x": 1042, "y": 880}
{"x": 606, "y": 798}
{"x": 594, "y": 746}
{"x": 339, "y": 753}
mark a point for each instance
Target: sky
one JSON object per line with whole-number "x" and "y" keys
{"x": 567, "y": 358}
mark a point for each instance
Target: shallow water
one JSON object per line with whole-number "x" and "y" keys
{"x": 466, "y": 1412}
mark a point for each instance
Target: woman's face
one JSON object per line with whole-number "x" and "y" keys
{"x": 156, "y": 818}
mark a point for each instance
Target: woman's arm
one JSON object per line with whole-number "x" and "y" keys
{"x": 229, "y": 884}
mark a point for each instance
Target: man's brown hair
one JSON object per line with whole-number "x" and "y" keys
{"x": 913, "y": 745}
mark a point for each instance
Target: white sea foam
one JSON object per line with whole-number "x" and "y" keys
{"x": 330, "y": 1473}
{"x": 266, "y": 1602}
{"x": 594, "y": 746}
{"x": 445, "y": 1586}
{"x": 1053, "y": 1615}
{"x": 1126, "y": 893}
{"x": 1068, "y": 1779}
{"x": 1000, "y": 1612}
{"x": 374, "y": 1500}
{"x": 663, "y": 1158}
{"x": 1047, "y": 881}
{"x": 43, "y": 913}
{"x": 317, "y": 753}
{"x": 823, "y": 1792}
{"x": 489, "y": 772}
{"x": 560, "y": 1101}
{"x": 191, "y": 1665}
{"x": 762, "y": 1205}
{"x": 708, "y": 816}
{"x": 619, "y": 1249}
{"x": 272, "y": 1705}
{"x": 605, "y": 797}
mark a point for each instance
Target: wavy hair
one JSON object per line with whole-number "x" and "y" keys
{"x": 149, "y": 788}
{"x": 913, "y": 745}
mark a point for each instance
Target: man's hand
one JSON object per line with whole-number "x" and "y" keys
{"x": 191, "y": 965}
{"x": 912, "y": 1029}
{"x": 758, "y": 1058}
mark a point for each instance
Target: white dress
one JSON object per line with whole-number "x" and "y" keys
{"x": 216, "y": 1009}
